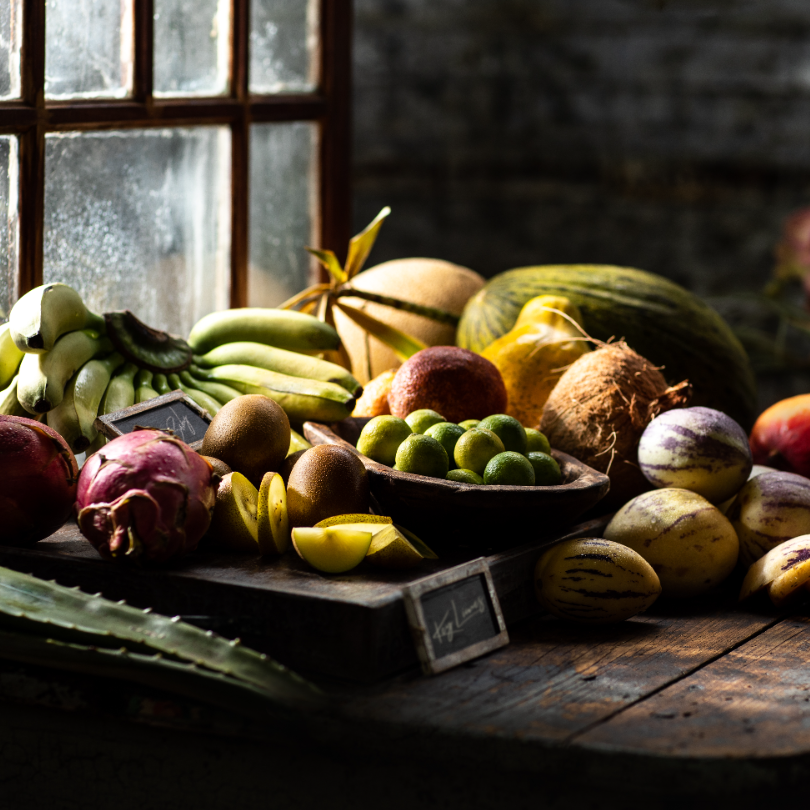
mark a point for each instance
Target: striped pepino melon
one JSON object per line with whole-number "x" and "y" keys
{"x": 659, "y": 319}
{"x": 594, "y": 580}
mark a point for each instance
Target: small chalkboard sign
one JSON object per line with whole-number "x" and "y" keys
{"x": 454, "y": 616}
{"x": 175, "y": 412}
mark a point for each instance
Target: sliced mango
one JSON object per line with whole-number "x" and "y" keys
{"x": 332, "y": 550}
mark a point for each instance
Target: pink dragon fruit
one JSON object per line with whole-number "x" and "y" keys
{"x": 39, "y": 480}
{"x": 145, "y": 496}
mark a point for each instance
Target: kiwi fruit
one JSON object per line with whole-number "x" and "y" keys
{"x": 251, "y": 434}
{"x": 326, "y": 480}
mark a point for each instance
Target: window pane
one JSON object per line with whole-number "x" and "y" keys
{"x": 8, "y": 223}
{"x": 191, "y": 47}
{"x": 88, "y": 48}
{"x": 140, "y": 220}
{"x": 283, "y": 199}
{"x": 283, "y": 46}
{"x": 10, "y": 36}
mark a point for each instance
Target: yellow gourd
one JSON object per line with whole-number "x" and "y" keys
{"x": 534, "y": 353}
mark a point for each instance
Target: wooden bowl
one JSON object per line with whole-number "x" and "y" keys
{"x": 479, "y": 518}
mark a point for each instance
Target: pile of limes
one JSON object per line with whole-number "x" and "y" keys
{"x": 494, "y": 450}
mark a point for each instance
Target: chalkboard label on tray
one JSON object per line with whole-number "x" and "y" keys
{"x": 174, "y": 412}
{"x": 454, "y": 616}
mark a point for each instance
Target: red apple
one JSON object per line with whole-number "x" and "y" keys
{"x": 37, "y": 482}
{"x": 781, "y": 436}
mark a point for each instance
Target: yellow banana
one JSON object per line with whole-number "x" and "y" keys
{"x": 88, "y": 390}
{"x": 200, "y": 397}
{"x": 143, "y": 386}
{"x": 302, "y": 399}
{"x": 120, "y": 392}
{"x": 285, "y": 362}
{"x": 10, "y": 355}
{"x": 64, "y": 419}
{"x": 9, "y": 404}
{"x": 219, "y": 391}
{"x": 43, "y": 377}
{"x": 161, "y": 384}
{"x": 46, "y": 313}
{"x": 284, "y": 328}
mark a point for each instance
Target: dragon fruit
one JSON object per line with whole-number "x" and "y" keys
{"x": 38, "y": 483}
{"x": 145, "y": 497}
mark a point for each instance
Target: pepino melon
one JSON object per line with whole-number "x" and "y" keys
{"x": 659, "y": 319}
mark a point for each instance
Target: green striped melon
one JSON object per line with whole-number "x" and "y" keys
{"x": 659, "y": 319}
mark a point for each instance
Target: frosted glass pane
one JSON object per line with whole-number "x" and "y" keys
{"x": 283, "y": 199}
{"x": 88, "y": 48}
{"x": 8, "y": 223}
{"x": 283, "y": 46}
{"x": 191, "y": 47}
{"x": 10, "y": 37}
{"x": 140, "y": 220}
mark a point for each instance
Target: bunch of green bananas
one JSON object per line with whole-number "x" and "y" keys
{"x": 64, "y": 363}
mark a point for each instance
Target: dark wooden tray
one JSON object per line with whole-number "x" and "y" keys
{"x": 352, "y": 626}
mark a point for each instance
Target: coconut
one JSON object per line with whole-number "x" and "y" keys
{"x": 601, "y": 406}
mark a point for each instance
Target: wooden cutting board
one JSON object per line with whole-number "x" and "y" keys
{"x": 351, "y": 626}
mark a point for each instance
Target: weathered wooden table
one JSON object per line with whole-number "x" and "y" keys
{"x": 701, "y": 702}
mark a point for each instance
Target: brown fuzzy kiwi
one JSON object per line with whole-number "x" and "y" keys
{"x": 599, "y": 409}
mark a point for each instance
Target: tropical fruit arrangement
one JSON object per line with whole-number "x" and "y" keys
{"x": 626, "y": 371}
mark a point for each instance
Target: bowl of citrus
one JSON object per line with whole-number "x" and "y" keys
{"x": 479, "y": 485}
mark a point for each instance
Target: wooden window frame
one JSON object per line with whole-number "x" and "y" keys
{"x": 31, "y": 117}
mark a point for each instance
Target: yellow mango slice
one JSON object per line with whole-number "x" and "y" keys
{"x": 333, "y": 550}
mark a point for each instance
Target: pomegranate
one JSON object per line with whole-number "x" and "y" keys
{"x": 38, "y": 483}
{"x": 145, "y": 497}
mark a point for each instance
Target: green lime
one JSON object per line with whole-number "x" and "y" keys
{"x": 464, "y": 476}
{"x": 469, "y": 423}
{"x": 422, "y": 455}
{"x": 535, "y": 440}
{"x": 509, "y": 468}
{"x": 446, "y": 434}
{"x": 422, "y": 419}
{"x": 546, "y": 470}
{"x": 381, "y": 437}
{"x": 475, "y": 448}
{"x": 508, "y": 429}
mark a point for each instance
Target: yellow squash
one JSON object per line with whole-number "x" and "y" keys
{"x": 534, "y": 353}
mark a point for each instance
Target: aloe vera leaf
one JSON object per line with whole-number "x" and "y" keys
{"x": 438, "y": 315}
{"x": 328, "y": 259}
{"x": 154, "y": 670}
{"x": 31, "y": 600}
{"x": 361, "y": 244}
{"x": 404, "y": 346}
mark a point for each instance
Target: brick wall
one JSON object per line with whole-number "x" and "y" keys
{"x": 513, "y": 132}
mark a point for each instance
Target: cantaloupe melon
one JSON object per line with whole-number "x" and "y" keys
{"x": 430, "y": 282}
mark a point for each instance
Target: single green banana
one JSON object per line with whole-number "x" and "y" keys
{"x": 303, "y": 400}
{"x": 9, "y": 404}
{"x": 46, "y": 313}
{"x": 219, "y": 391}
{"x": 143, "y": 386}
{"x": 91, "y": 384}
{"x": 120, "y": 392}
{"x": 43, "y": 377}
{"x": 285, "y": 362}
{"x": 161, "y": 384}
{"x": 65, "y": 420}
{"x": 10, "y": 355}
{"x": 205, "y": 401}
{"x": 284, "y": 328}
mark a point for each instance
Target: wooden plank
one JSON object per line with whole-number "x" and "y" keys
{"x": 556, "y": 680}
{"x": 752, "y": 702}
